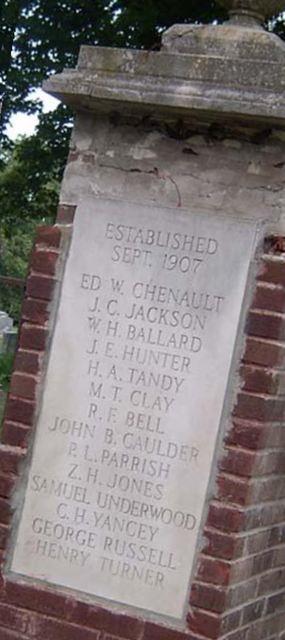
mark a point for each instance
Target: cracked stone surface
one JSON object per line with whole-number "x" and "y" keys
{"x": 140, "y": 164}
{"x": 200, "y": 123}
{"x": 227, "y": 73}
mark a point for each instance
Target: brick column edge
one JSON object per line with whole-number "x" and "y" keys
{"x": 238, "y": 592}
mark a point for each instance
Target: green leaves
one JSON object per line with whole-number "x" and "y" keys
{"x": 46, "y": 36}
{"x": 41, "y": 37}
{"x": 6, "y": 362}
{"x": 30, "y": 175}
{"x": 29, "y": 179}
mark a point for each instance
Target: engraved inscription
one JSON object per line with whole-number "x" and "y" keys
{"x": 132, "y": 403}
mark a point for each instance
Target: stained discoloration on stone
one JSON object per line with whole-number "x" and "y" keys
{"x": 226, "y": 72}
{"x": 199, "y": 123}
{"x": 142, "y": 163}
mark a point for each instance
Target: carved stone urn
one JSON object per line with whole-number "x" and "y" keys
{"x": 260, "y": 10}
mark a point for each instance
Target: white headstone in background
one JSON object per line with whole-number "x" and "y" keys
{"x": 9, "y": 339}
{"x": 132, "y": 404}
{"x": 6, "y": 324}
{"x": 5, "y": 321}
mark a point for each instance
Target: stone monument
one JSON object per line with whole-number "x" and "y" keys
{"x": 144, "y": 428}
{"x": 6, "y": 325}
{"x": 5, "y": 321}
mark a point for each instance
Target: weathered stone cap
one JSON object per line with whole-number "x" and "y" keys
{"x": 233, "y": 71}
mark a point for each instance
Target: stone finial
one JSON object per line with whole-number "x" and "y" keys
{"x": 259, "y": 10}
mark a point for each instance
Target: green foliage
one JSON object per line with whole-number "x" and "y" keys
{"x": 15, "y": 248}
{"x": 47, "y": 37}
{"x": 30, "y": 174}
{"x": 41, "y": 37}
{"x": 140, "y": 24}
{"x": 10, "y": 11}
{"x": 6, "y": 364}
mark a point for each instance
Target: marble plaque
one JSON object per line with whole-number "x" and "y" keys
{"x": 132, "y": 403}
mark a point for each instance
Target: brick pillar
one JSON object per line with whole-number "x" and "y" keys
{"x": 240, "y": 580}
{"x": 239, "y": 584}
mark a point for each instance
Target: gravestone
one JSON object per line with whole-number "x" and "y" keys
{"x": 146, "y": 330}
{"x": 5, "y": 321}
{"x": 9, "y": 339}
{"x": 6, "y": 324}
{"x": 146, "y": 405}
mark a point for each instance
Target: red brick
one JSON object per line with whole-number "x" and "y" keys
{"x": 44, "y": 261}
{"x": 9, "y": 459}
{"x": 2, "y": 581}
{"x": 5, "y": 634}
{"x": 264, "y": 515}
{"x": 7, "y": 484}
{"x": 241, "y": 570}
{"x": 272, "y": 270}
{"x": 5, "y": 511}
{"x": 48, "y": 236}
{"x": 110, "y": 636}
{"x": 17, "y": 619}
{"x": 231, "y": 621}
{"x": 269, "y": 297}
{"x": 232, "y": 489}
{"x": 33, "y": 337}
{"x": 238, "y": 461}
{"x": 41, "y": 287}
{"x": 4, "y": 534}
{"x": 257, "y": 542}
{"x": 99, "y": 618}
{"x": 264, "y": 353}
{"x": 65, "y": 213}
{"x": 225, "y": 518}
{"x": 239, "y": 594}
{"x": 15, "y": 435}
{"x": 27, "y": 362}
{"x": 50, "y": 629}
{"x": 207, "y": 596}
{"x": 260, "y": 380}
{"x": 222, "y": 545}
{"x": 256, "y": 436}
{"x": 278, "y": 557}
{"x": 18, "y": 410}
{"x": 266, "y": 325}
{"x": 253, "y": 611}
{"x": 23, "y": 386}
{"x": 275, "y": 436}
{"x": 204, "y": 623}
{"x": 35, "y": 311}
{"x": 159, "y": 632}
{"x": 269, "y": 462}
{"x": 267, "y": 489}
{"x": 213, "y": 571}
{"x": 276, "y": 602}
{"x": 272, "y": 581}
{"x": 262, "y": 562}
{"x": 254, "y": 407}
{"x": 277, "y": 535}
{"x": 247, "y": 434}
{"x": 36, "y": 599}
